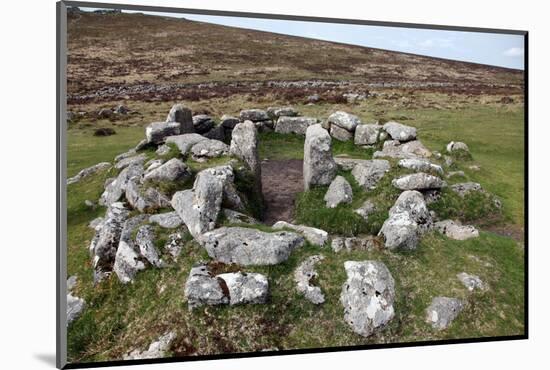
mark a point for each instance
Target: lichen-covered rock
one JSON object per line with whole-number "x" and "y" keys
{"x": 182, "y": 115}
{"x": 340, "y": 134}
{"x": 294, "y": 125}
{"x": 303, "y": 276}
{"x": 454, "y": 230}
{"x": 400, "y": 132}
{"x": 395, "y": 149}
{"x": 174, "y": 244}
{"x": 369, "y": 173}
{"x": 348, "y": 164}
{"x": 339, "y": 192}
{"x": 420, "y": 165}
{"x": 144, "y": 200}
{"x": 471, "y": 282}
{"x": 366, "y": 209}
{"x": 168, "y": 220}
{"x": 71, "y": 282}
{"x": 173, "y": 170}
{"x": 319, "y": 166}
{"x": 465, "y": 188}
{"x": 209, "y": 148}
{"x": 442, "y": 311}
{"x": 156, "y": 132}
{"x": 253, "y": 115}
{"x": 413, "y": 203}
{"x": 344, "y": 120}
{"x": 201, "y": 288}
{"x": 245, "y": 288}
{"x": 75, "y": 306}
{"x": 185, "y": 142}
{"x": 157, "y": 349}
{"x": 418, "y": 181}
{"x": 276, "y": 112}
{"x": 238, "y": 217}
{"x": 244, "y": 145}
{"x": 88, "y": 171}
{"x": 367, "y": 296}
{"x": 128, "y": 261}
{"x": 129, "y": 161}
{"x": 313, "y": 235}
{"x": 353, "y": 243}
{"x": 231, "y": 197}
{"x": 247, "y": 246}
{"x": 145, "y": 241}
{"x": 367, "y": 134}
{"x": 153, "y": 164}
{"x": 455, "y": 146}
{"x": 115, "y": 188}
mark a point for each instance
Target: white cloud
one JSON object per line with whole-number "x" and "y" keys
{"x": 514, "y": 52}
{"x": 436, "y": 43}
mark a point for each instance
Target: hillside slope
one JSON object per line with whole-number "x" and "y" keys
{"x": 128, "y": 49}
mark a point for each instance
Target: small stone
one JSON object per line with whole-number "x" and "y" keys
{"x": 163, "y": 150}
{"x": 471, "y": 282}
{"x": 442, "y": 311}
{"x": 400, "y": 132}
{"x": 344, "y": 120}
{"x": 366, "y": 209}
{"x": 340, "y": 134}
{"x": 455, "y": 230}
{"x": 339, "y": 192}
{"x": 253, "y": 115}
{"x": 75, "y": 306}
{"x": 313, "y": 235}
{"x": 454, "y": 146}
{"x": 418, "y": 181}
{"x": 420, "y": 165}
{"x": 369, "y": 173}
{"x": 367, "y": 134}
{"x": 169, "y": 220}
{"x": 303, "y": 276}
{"x": 156, "y": 349}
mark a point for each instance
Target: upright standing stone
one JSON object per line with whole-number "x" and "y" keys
{"x": 183, "y": 116}
{"x": 319, "y": 166}
{"x": 244, "y": 145}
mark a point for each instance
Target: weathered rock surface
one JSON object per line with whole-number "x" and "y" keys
{"x": 88, "y": 171}
{"x": 185, "y": 142}
{"x": 454, "y": 146}
{"x": 367, "y": 134}
{"x": 238, "y": 217}
{"x": 367, "y": 296}
{"x": 442, "y": 311}
{"x": 400, "y": 132}
{"x": 157, "y": 349}
{"x": 348, "y": 164}
{"x": 145, "y": 241}
{"x": 153, "y": 164}
{"x": 313, "y": 235}
{"x": 115, "y": 188}
{"x": 340, "y": 134}
{"x": 174, "y": 245}
{"x": 420, "y": 165}
{"x": 209, "y": 148}
{"x": 173, "y": 170}
{"x": 130, "y": 161}
{"x": 201, "y": 288}
{"x": 203, "y": 123}
{"x": 199, "y": 208}
{"x": 244, "y": 145}
{"x": 168, "y": 220}
{"x": 339, "y": 192}
{"x": 71, "y": 282}
{"x": 229, "y": 122}
{"x": 128, "y": 261}
{"x": 344, "y": 120}
{"x": 254, "y": 115}
{"x": 369, "y": 173}
{"x": 303, "y": 276}
{"x": 471, "y": 282}
{"x": 246, "y": 246}
{"x": 353, "y": 243}
{"x": 418, "y": 181}
{"x": 246, "y": 288}
{"x": 231, "y": 198}
{"x": 319, "y": 166}
{"x": 276, "y": 112}
{"x": 455, "y": 230}
{"x": 182, "y": 115}
{"x": 216, "y": 133}
{"x": 75, "y": 306}
{"x": 395, "y": 149}
{"x": 366, "y": 209}
{"x": 156, "y": 132}
{"x": 144, "y": 200}
{"x": 294, "y": 125}
{"x": 465, "y": 188}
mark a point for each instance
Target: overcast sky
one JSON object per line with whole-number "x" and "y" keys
{"x": 486, "y": 48}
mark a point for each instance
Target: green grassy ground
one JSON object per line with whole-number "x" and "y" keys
{"x": 121, "y": 318}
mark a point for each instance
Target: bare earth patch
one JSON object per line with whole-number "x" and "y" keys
{"x": 281, "y": 181}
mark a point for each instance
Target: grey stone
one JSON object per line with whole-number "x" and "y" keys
{"x": 185, "y": 142}
{"x": 75, "y": 306}
{"x": 163, "y": 150}
{"x": 130, "y": 161}
{"x": 157, "y": 349}
{"x": 456, "y": 174}
{"x": 400, "y": 132}
{"x": 90, "y": 204}
{"x": 303, "y": 275}
{"x": 367, "y": 134}
{"x": 173, "y": 170}
{"x": 114, "y": 189}
{"x": 339, "y": 192}
{"x": 368, "y": 174}
{"x": 96, "y": 223}
{"x": 169, "y": 220}
{"x": 153, "y": 164}
{"x": 276, "y": 112}
{"x": 244, "y": 145}
{"x": 395, "y": 149}
{"x": 340, "y": 134}
{"x": 201, "y": 288}
{"x": 229, "y": 122}
{"x": 246, "y": 246}
{"x": 313, "y": 235}
{"x": 465, "y": 188}
{"x": 442, "y": 311}
{"x": 418, "y": 181}
{"x": 128, "y": 261}
{"x": 253, "y": 115}
{"x": 157, "y": 132}
{"x": 348, "y": 164}
{"x": 105, "y": 113}
{"x": 366, "y": 209}
{"x": 471, "y": 282}
{"x": 313, "y": 98}
{"x": 367, "y": 296}
{"x": 413, "y": 203}
{"x": 209, "y": 148}
{"x": 144, "y": 199}
{"x": 264, "y": 126}
{"x": 231, "y": 198}
{"x": 174, "y": 245}
{"x": 88, "y": 171}
{"x": 71, "y": 282}
{"x": 319, "y": 166}
{"x": 145, "y": 241}
{"x": 238, "y": 217}
{"x": 199, "y": 208}
{"x": 141, "y": 145}
{"x": 203, "y": 123}
{"x": 130, "y": 153}
{"x": 420, "y": 165}
{"x": 121, "y": 109}
{"x": 454, "y": 146}
{"x": 216, "y": 133}
{"x": 353, "y": 243}
{"x": 245, "y": 288}
{"x": 294, "y": 125}
{"x": 455, "y": 230}
{"x": 182, "y": 115}
{"x": 344, "y": 120}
